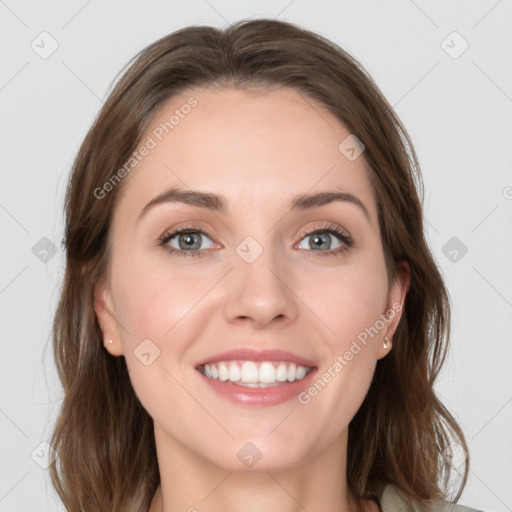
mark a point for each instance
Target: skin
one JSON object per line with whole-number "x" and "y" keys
{"x": 257, "y": 148}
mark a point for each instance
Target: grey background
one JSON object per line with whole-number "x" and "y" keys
{"x": 457, "y": 111}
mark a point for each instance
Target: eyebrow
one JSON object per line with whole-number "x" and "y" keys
{"x": 218, "y": 203}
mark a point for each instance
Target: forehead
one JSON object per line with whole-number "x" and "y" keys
{"x": 253, "y": 146}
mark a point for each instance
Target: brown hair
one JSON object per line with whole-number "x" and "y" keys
{"x": 103, "y": 436}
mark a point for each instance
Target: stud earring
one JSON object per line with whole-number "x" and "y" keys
{"x": 109, "y": 342}
{"x": 386, "y": 342}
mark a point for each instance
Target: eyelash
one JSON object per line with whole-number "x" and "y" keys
{"x": 326, "y": 228}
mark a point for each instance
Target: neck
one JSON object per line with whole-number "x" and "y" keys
{"x": 193, "y": 484}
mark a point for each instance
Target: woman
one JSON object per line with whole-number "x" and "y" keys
{"x": 250, "y": 316}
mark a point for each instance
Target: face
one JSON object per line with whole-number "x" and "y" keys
{"x": 293, "y": 287}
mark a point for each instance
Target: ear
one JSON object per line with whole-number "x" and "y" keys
{"x": 394, "y": 307}
{"x": 105, "y": 313}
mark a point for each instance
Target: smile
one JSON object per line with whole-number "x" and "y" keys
{"x": 255, "y": 374}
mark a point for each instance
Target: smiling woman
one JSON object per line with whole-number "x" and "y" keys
{"x": 250, "y": 318}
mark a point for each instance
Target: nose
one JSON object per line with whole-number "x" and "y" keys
{"x": 260, "y": 293}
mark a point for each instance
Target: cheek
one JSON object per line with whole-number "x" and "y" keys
{"x": 349, "y": 304}
{"x": 348, "y": 301}
{"x": 152, "y": 300}
{"x": 156, "y": 304}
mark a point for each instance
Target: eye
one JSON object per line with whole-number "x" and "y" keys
{"x": 192, "y": 241}
{"x": 187, "y": 241}
{"x": 327, "y": 240}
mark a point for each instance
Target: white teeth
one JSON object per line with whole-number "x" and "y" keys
{"x": 223, "y": 372}
{"x": 267, "y": 373}
{"x": 301, "y": 372}
{"x": 234, "y": 372}
{"x": 281, "y": 373}
{"x": 251, "y": 374}
{"x": 257, "y": 384}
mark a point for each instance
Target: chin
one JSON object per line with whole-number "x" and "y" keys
{"x": 257, "y": 454}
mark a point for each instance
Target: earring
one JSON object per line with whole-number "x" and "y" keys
{"x": 109, "y": 341}
{"x": 386, "y": 342}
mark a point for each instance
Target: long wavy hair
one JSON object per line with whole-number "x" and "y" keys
{"x": 104, "y": 438}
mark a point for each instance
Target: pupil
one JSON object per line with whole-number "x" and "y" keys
{"x": 189, "y": 241}
{"x": 319, "y": 239}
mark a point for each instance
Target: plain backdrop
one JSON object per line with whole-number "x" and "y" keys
{"x": 445, "y": 66}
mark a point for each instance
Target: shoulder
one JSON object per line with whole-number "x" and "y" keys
{"x": 391, "y": 500}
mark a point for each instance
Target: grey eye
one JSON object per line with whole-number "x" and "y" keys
{"x": 320, "y": 241}
{"x": 192, "y": 241}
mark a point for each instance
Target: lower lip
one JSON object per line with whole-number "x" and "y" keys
{"x": 259, "y": 396}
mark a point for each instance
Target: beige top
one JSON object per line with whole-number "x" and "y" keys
{"x": 391, "y": 500}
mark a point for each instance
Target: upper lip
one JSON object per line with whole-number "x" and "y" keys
{"x": 250, "y": 354}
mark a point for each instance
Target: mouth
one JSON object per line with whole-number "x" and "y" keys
{"x": 253, "y": 374}
{"x": 257, "y": 377}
